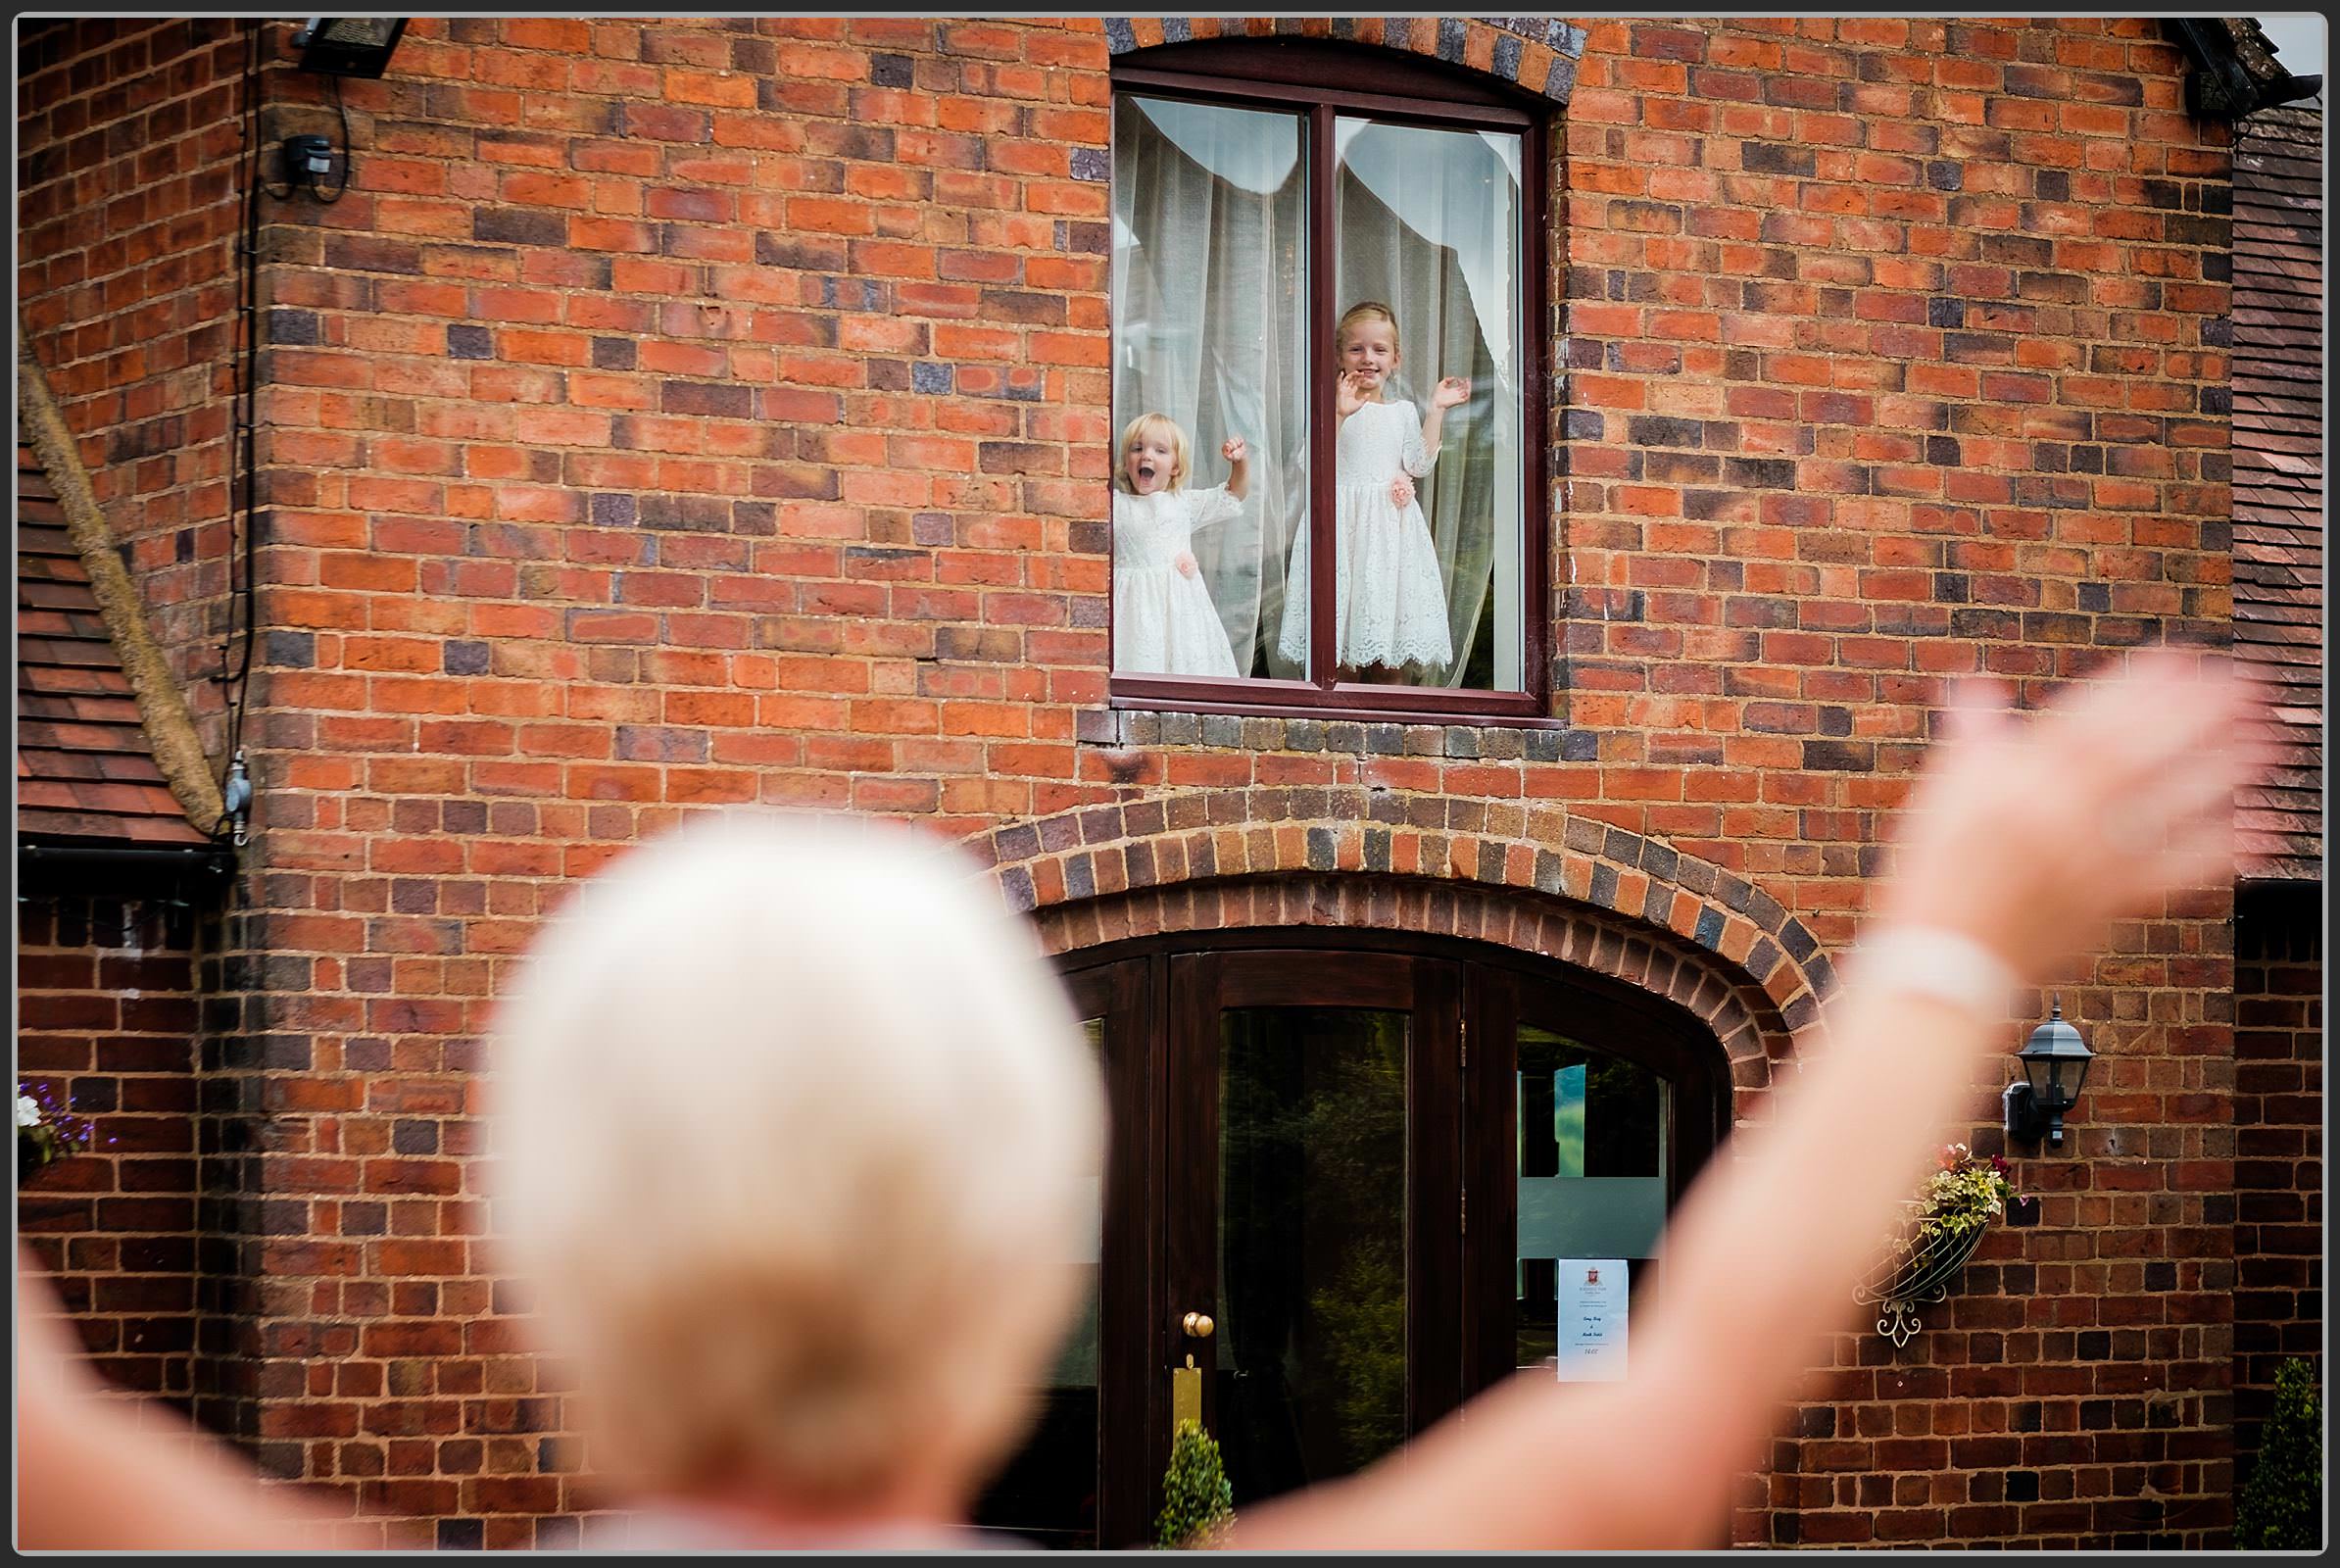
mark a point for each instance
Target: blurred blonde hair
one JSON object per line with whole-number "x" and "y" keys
{"x": 796, "y": 1138}
{"x": 1181, "y": 452}
{"x": 1367, "y": 310}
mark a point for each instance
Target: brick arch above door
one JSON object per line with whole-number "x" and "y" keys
{"x": 1534, "y": 879}
{"x": 1537, "y": 53}
{"x": 1740, "y": 1017}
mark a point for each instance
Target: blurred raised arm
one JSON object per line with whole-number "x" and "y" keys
{"x": 2024, "y": 837}
{"x": 96, "y": 1473}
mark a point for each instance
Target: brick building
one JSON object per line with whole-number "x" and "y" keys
{"x": 2278, "y": 610}
{"x": 647, "y": 416}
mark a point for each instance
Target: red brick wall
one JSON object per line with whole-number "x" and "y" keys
{"x": 106, "y": 1026}
{"x": 687, "y": 411}
{"x": 1894, "y": 349}
{"x": 2278, "y": 1170}
{"x": 128, "y": 143}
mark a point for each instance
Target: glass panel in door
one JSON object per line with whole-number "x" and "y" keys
{"x": 1594, "y": 1170}
{"x": 1310, "y": 1353}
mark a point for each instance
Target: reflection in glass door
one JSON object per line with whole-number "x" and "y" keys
{"x": 1310, "y": 1359}
{"x": 1312, "y": 1203}
{"x": 1611, "y": 1101}
{"x": 1592, "y": 1162}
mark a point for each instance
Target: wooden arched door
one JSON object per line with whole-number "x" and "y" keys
{"x": 1360, "y": 1156}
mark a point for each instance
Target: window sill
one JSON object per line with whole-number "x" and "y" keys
{"x": 1442, "y": 707}
{"x": 1134, "y": 723}
{"x": 1441, "y": 719}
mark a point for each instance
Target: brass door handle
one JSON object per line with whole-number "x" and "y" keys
{"x": 1197, "y": 1325}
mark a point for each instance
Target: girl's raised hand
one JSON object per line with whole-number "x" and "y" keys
{"x": 1234, "y": 450}
{"x": 1453, "y": 390}
{"x": 1346, "y": 398}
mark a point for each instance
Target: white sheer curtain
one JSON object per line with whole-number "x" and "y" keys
{"x": 1428, "y": 221}
{"x": 1209, "y": 283}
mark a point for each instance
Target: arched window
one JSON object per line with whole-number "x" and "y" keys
{"x": 1380, "y": 549}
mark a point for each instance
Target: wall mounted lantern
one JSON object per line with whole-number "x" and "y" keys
{"x": 349, "y": 46}
{"x": 2054, "y": 1066}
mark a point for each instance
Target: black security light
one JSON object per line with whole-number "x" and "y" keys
{"x": 349, "y": 46}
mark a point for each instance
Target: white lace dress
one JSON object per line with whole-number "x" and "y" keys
{"x": 1389, "y": 595}
{"x": 1164, "y": 621}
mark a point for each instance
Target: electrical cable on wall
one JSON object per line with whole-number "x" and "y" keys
{"x": 349, "y": 151}
{"x": 308, "y": 161}
{"x": 243, "y": 553}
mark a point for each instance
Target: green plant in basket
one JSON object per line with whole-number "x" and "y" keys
{"x": 1962, "y": 1194}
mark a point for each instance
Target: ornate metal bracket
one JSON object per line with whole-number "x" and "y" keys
{"x": 1920, "y": 1277}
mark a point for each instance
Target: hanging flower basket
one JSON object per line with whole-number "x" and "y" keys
{"x": 1918, "y": 1277}
{"x": 45, "y": 1132}
{"x": 1946, "y": 1225}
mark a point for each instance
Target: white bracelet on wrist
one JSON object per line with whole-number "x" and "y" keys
{"x": 1931, "y": 961}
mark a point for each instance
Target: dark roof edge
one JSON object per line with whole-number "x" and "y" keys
{"x": 2230, "y": 79}
{"x": 67, "y": 865}
{"x": 2299, "y": 898}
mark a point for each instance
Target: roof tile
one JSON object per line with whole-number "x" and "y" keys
{"x": 84, "y": 770}
{"x": 2278, "y": 472}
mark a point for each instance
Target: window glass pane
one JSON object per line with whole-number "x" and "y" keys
{"x": 1310, "y": 1362}
{"x": 1594, "y": 1167}
{"x": 1209, "y": 289}
{"x": 1431, "y": 587}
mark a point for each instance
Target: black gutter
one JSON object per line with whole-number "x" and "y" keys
{"x": 2220, "y": 86}
{"x": 109, "y": 867}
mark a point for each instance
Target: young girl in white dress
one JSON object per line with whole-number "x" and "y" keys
{"x": 1164, "y": 621}
{"x": 1388, "y": 594}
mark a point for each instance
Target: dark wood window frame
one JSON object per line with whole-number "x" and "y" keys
{"x": 1290, "y": 74}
